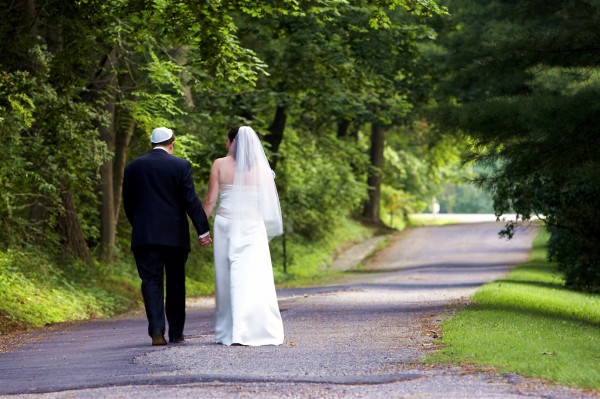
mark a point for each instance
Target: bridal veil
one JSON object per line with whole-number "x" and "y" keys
{"x": 254, "y": 193}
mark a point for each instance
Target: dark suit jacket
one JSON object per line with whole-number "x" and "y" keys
{"x": 158, "y": 192}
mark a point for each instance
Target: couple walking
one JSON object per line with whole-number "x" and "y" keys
{"x": 159, "y": 195}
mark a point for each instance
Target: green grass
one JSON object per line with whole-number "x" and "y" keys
{"x": 429, "y": 220}
{"x": 416, "y": 220}
{"x": 419, "y": 220}
{"x": 307, "y": 261}
{"x": 35, "y": 292}
{"x": 530, "y": 324}
{"x": 37, "y": 289}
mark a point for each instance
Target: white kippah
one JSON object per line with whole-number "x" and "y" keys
{"x": 161, "y": 134}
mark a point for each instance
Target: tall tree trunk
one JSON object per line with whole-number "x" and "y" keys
{"x": 117, "y": 137}
{"x": 106, "y": 82}
{"x": 126, "y": 126}
{"x": 71, "y": 230}
{"x": 180, "y": 57}
{"x": 31, "y": 12}
{"x": 276, "y": 129}
{"x": 107, "y": 195}
{"x": 371, "y": 209}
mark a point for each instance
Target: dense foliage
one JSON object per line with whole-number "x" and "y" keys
{"x": 337, "y": 91}
{"x": 523, "y": 82}
{"x": 334, "y": 88}
{"x": 82, "y": 84}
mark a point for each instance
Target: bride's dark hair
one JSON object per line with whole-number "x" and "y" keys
{"x": 232, "y": 133}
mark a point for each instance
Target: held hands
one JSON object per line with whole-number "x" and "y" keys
{"x": 205, "y": 241}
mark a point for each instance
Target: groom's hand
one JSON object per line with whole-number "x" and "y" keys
{"x": 205, "y": 241}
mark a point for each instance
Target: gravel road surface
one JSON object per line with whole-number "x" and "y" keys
{"x": 362, "y": 338}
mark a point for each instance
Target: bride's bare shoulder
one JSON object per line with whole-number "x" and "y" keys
{"x": 220, "y": 160}
{"x": 224, "y": 162}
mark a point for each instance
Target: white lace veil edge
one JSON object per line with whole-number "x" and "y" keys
{"x": 254, "y": 190}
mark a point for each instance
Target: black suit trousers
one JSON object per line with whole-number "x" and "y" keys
{"x": 153, "y": 262}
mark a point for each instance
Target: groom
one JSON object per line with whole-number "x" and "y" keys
{"x": 158, "y": 192}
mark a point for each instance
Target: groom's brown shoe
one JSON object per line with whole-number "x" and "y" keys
{"x": 158, "y": 340}
{"x": 177, "y": 340}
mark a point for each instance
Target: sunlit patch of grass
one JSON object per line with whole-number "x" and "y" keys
{"x": 419, "y": 220}
{"x": 307, "y": 261}
{"x": 530, "y": 324}
{"x": 35, "y": 292}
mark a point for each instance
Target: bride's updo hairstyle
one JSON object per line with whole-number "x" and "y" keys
{"x": 231, "y": 135}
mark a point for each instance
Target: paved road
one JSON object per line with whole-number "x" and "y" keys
{"x": 359, "y": 339}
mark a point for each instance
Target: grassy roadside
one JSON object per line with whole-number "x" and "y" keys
{"x": 36, "y": 291}
{"x": 530, "y": 324}
{"x": 307, "y": 261}
{"x": 419, "y": 220}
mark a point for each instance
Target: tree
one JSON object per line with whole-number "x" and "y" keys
{"x": 53, "y": 149}
{"x": 83, "y": 83}
{"x": 526, "y": 76}
{"x": 115, "y": 68}
{"x": 354, "y": 64}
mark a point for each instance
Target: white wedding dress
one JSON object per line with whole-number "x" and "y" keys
{"x": 247, "y": 312}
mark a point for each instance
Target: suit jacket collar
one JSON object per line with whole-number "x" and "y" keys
{"x": 156, "y": 152}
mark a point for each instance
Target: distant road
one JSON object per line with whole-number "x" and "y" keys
{"x": 464, "y": 217}
{"x": 362, "y": 338}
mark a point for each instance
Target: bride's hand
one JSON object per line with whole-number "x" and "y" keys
{"x": 205, "y": 241}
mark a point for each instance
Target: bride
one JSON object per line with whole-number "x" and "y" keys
{"x": 248, "y": 216}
